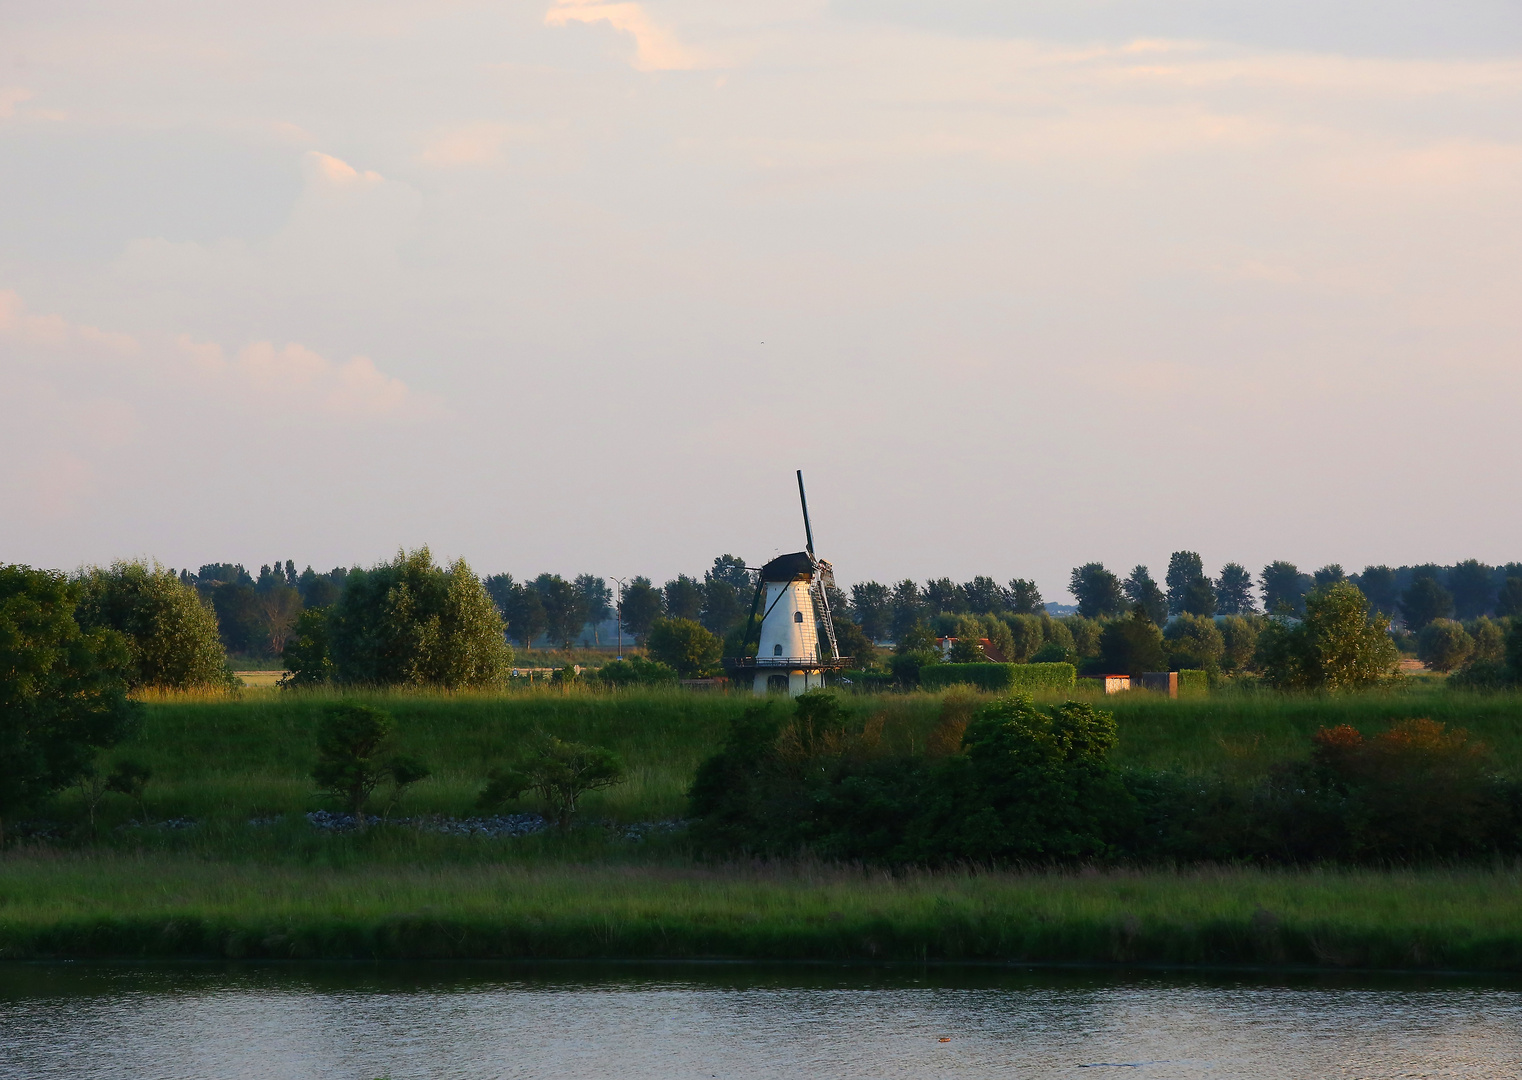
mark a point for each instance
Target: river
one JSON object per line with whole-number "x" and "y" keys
{"x": 739, "y": 1021}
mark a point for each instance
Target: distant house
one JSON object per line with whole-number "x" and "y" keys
{"x": 990, "y": 651}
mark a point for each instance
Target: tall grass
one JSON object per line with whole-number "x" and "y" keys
{"x": 114, "y": 905}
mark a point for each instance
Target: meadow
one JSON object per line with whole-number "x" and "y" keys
{"x": 227, "y": 866}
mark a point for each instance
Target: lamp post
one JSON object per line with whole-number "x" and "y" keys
{"x": 618, "y": 614}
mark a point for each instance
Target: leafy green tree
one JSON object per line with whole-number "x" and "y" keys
{"x": 1085, "y": 634}
{"x": 1509, "y": 603}
{"x": 1330, "y": 574}
{"x": 564, "y": 608}
{"x": 1132, "y": 646}
{"x": 731, "y": 570}
{"x": 1239, "y": 641}
{"x": 1025, "y": 597}
{"x": 854, "y": 642}
{"x": 636, "y": 671}
{"x": 559, "y": 772}
{"x": 1027, "y": 634}
{"x": 356, "y": 752}
{"x": 1489, "y": 640}
{"x": 942, "y": 595}
{"x": 684, "y": 598}
{"x": 723, "y": 608}
{"x": 1199, "y": 598}
{"x": 280, "y": 606}
{"x": 1379, "y": 585}
{"x": 596, "y": 601}
{"x": 525, "y": 616}
{"x": 321, "y": 590}
{"x": 171, "y": 635}
{"x": 873, "y": 604}
{"x": 1284, "y": 588}
{"x": 984, "y": 596}
{"x": 240, "y": 622}
{"x": 308, "y": 660}
{"x": 1337, "y": 646}
{"x": 1141, "y": 589}
{"x": 1424, "y": 600}
{"x": 411, "y": 622}
{"x": 1234, "y": 591}
{"x": 1472, "y": 584}
{"x": 1194, "y": 641}
{"x": 639, "y": 606}
{"x": 686, "y": 646}
{"x": 1443, "y": 645}
{"x": 1097, "y": 590}
{"x": 908, "y": 608}
{"x": 1184, "y": 569}
{"x": 62, "y": 688}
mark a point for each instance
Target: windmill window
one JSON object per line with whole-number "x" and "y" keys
{"x": 797, "y": 616}
{"x": 777, "y": 650}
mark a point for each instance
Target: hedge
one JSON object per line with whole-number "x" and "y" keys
{"x": 1000, "y": 678}
{"x": 1193, "y": 682}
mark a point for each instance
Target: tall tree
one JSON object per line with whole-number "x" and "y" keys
{"x": 1233, "y": 591}
{"x": 873, "y": 603}
{"x": 564, "y": 613}
{"x": 1184, "y": 569}
{"x": 281, "y": 607}
{"x": 731, "y": 569}
{"x": 1284, "y": 587}
{"x": 62, "y": 688}
{"x": 944, "y": 596}
{"x": 1424, "y": 600}
{"x": 1097, "y": 590}
{"x": 240, "y": 617}
{"x": 1379, "y": 587}
{"x": 171, "y": 635}
{"x": 984, "y": 596}
{"x": 1338, "y": 645}
{"x": 1141, "y": 589}
{"x": 1025, "y": 598}
{"x": 1509, "y": 603}
{"x": 723, "y": 606}
{"x": 639, "y": 606}
{"x": 1330, "y": 574}
{"x": 684, "y": 598}
{"x": 596, "y": 597}
{"x": 908, "y": 608}
{"x": 1473, "y": 587}
{"x": 1199, "y": 598}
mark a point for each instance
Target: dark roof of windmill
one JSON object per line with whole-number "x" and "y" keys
{"x": 800, "y": 564}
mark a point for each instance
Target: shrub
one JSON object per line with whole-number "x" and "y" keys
{"x": 685, "y": 646}
{"x": 171, "y": 635}
{"x": 1443, "y": 645}
{"x": 636, "y": 671}
{"x": 356, "y": 753}
{"x": 559, "y": 772}
{"x": 307, "y": 658}
{"x": 1084, "y": 632}
{"x": 1489, "y": 639}
{"x": 1000, "y": 678}
{"x": 1239, "y": 641}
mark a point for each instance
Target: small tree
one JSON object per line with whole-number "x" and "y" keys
{"x": 686, "y": 646}
{"x": 130, "y": 778}
{"x": 559, "y": 772}
{"x": 639, "y": 606}
{"x": 1133, "y": 645}
{"x": 306, "y": 655}
{"x": 1194, "y": 641}
{"x": 1444, "y": 645}
{"x": 1338, "y": 645}
{"x": 1097, "y": 590}
{"x": 1141, "y": 589}
{"x": 355, "y": 754}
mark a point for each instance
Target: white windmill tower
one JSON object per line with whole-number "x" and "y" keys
{"x": 791, "y": 594}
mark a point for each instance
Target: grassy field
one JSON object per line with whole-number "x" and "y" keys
{"x": 231, "y": 758}
{"x": 85, "y": 905}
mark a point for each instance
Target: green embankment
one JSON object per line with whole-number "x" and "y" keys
{"x": 250, "y": 756}
{"x": 153, "y": 906}
{"x": 226, "y": 888}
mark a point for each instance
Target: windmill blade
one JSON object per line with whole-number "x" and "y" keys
{"x": 808, "y": 532}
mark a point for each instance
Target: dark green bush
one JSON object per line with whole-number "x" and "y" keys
{"x": 1192, "y": 681}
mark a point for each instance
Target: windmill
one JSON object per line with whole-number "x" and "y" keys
{"x": 792, "y": 595}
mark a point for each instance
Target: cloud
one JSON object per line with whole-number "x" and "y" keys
{"x": 475, "y": 144}
{"x": 307, "y": 380}
{"x": 655, "y": 48}
{"x": 333, "y": 172}
{"x": 10, "y": 97}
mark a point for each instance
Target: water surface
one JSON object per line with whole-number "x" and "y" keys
{"x": 695, "y": 1021}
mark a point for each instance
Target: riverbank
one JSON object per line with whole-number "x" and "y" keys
{"x": 166, "y": 906}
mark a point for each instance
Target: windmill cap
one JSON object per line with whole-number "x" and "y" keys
{"x": 799, "y": 566}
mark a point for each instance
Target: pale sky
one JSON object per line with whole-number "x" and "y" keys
{"x": 575, "y": 286}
